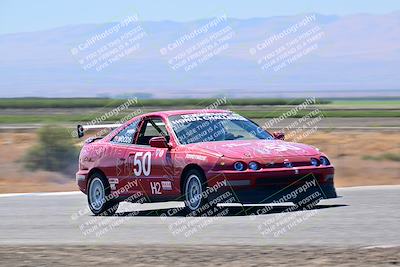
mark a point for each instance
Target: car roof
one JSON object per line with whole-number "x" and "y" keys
{"x": 168, "y": 113}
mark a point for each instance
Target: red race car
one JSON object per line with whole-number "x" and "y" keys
{"x": 199, "y": 157}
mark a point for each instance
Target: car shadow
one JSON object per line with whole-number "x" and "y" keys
{"x": 223, "y": 211}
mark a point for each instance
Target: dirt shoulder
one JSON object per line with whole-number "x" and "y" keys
{"x": 360, "y": 158}
{"x": 196, "y": 256}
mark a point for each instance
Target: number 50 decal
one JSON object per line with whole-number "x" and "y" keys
{"x": 142, "y": 163}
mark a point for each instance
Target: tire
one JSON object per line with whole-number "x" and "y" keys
{"x": 194, "y": 186}
{"x": 99, "y": 196}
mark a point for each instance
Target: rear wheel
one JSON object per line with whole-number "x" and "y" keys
{"x": 194, "y": 188}
{"x": 99, "y": 196}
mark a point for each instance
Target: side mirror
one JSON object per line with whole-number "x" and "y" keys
{"x": 279, "y": 135}
{"x": 159, "y": 142}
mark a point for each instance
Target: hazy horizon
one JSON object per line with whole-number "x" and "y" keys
{"x": 347, "y": 56}
{"x": 24, "y": 15}
{"x": 50, "y": 28}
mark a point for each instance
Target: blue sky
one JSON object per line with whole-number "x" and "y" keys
{"x": 28, "y": 15}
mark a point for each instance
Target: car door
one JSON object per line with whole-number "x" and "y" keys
{"x": 119, "y": 165}
{"x": 151, "y": 166}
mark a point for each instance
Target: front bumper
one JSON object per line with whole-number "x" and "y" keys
{"x": 275, "y": 185}
{"x": 278, "y": 195}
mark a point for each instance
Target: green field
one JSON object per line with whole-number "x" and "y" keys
{"x": 366, "y": 102}
{"x": 355, "y": 104}
{"x": 74, "y": 110}
{"x": 26, "y": 103}
{"x": 64, "y": 118}
{"x": 31, "y": 103}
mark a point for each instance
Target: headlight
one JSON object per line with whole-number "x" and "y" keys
{"x": 239, "y": 166}
{"x": 324, "y": 161}
{"x": 314, "y": 162}
{"x": 288, "y": 164}
{"x": 254, "y": 166}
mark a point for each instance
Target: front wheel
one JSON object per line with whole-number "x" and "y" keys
{"x": 194, "y": 189}
{"x": 99, "y": 196}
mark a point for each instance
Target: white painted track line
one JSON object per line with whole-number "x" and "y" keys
{"x": 69, "y": 193}
{"x": 40, "y": 194}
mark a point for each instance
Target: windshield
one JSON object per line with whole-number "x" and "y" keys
{"x": 208, "y": 127}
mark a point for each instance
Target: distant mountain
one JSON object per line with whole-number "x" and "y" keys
{"x": 307, "y": 54}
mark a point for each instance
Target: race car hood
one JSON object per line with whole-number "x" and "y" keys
{"x": 241, "y": 149}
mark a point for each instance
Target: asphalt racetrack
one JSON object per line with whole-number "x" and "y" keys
{"x": 363, "y": 216}
{"x": 55, "y": 229}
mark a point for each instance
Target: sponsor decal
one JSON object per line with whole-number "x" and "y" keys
{"x": 198, "y": 157}
{"x": 166, "y": 185}
{"x": 155, "y": 188}
{"x": 236, "y": 145}
{"x": 159, "y": 153}
{"x": 113, "y": 182}
{"x": 281, "y": 147}
{"x": 207, "y": 117}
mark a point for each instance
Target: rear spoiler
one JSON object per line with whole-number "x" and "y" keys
{"x": 82, "y": 128}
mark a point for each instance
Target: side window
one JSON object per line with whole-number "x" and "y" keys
{"x": 126, "y": 135}
{"x": 152, "y": 128}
